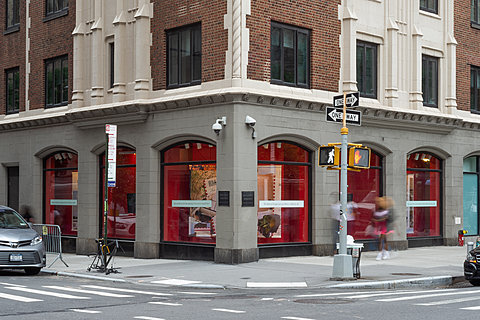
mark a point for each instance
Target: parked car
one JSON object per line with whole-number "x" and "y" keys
{"x": 21, "y": 247}
{"x": 471, "y": 267}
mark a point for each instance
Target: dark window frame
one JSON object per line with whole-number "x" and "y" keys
{"x": 111, "y": 49}
{"x": 475, "y": 13}
{"x": 297, "y": 30}
{"x": 474, "y": 92}
{"x": 16, "y": 91}
{"x": 63, "y": 101}
{"x": 15, "y": 25}
{"x": 362, "y": 45}
{"x": 427, "y": 95}
{"x": 430, "y": 6}
{"x": 194, "y": 66}
{"x": 52, "y": 13}
{"x": 477, "y": 174}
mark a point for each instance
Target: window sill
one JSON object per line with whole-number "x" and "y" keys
{"x": 12, "y": 29}
{"x": 50, "y": 106}
{"x": 475, "y": 25}
{"x": 55, "y": 15}
{"x": 430, "y": 14}
{"x": 430, "y": 105}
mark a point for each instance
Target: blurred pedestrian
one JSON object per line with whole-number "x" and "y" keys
{"x": 381, "y": 219}
{"x": 26, "y": 213}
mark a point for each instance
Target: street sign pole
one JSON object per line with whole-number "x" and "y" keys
{"x": 342, "y": 262}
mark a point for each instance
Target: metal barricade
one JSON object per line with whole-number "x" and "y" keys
{"x": 52, "y": 239}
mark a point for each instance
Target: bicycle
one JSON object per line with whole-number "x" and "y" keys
{"x": 103, "y": 257}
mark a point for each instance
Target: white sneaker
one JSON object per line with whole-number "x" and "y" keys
{"x": 379, "y": 256}
{"x": 386, "y": 255}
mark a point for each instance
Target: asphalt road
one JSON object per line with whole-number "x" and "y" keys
{"x": 54, "y": 297}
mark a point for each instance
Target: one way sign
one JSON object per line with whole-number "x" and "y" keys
{"x": 351, "y": 100}
{"x": 336, "y": 115}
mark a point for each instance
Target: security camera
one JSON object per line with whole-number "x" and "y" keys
{"x": 249, "y": 121}
{"x": 217, "y": 127}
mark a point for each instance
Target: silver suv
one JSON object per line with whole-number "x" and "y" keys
{"x": 21, "y": 247}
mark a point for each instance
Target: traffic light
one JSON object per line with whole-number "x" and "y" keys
{"x": 359, "y": 157}
{"x": 328, "y": 156}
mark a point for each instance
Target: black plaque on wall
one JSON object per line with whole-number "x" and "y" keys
{"x": 248, "y": 199}
{"x": 224, "y": 198}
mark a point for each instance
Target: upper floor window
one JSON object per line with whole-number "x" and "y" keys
{"x": 111, "y": 50}
{"x": 475, "y": 18}
{"x": 12, "y": 81}
{"x": 430, "y": 81}
{"x": 429, "y": 5}
{"x": 184, "y": 56}
{"x": 290, "y": 55}
{"x": 13, "y": 13}
{"x": 56, "y": 6}
{"x": 367, "y": 69}
{"x": 475, "y": 89}
{"x": 56, "y": 81}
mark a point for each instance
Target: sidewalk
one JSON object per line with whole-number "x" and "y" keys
{"x": 428, "y": 266}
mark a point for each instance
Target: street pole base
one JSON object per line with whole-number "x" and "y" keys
{"x": 342, "y": 267}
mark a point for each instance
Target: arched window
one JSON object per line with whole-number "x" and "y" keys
{"x": 122, "y": 197}
{"x": 61, "y": 191}
{"x": 363, "y": 187}
{"x": 189, "y": 192}
{"x": 283, "y": 184}
{"x": 471, "y": 174}
{"x": 424, "y": 176}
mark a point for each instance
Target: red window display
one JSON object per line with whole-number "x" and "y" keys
{"x": 61, "y": 191}
{"x": 189, "y": 193}
{"x": 424, "y": 175}
{"x": 122, "y": 197}
{"x": 283, "y": 186}
{"x": 363, "y": 187}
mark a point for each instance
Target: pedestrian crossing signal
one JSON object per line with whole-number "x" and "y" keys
{"x": 359, "y": 157}
{"x": 328, "y": 156}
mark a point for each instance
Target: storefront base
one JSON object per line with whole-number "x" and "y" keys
{"x": 285, "y": 251}
{"x": 190, "y": 251}
{"x": 146, "y": 250}
{"x": 425, "y": 242}
{"x": 236, "y": 256}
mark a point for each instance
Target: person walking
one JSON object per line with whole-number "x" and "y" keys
{"x": 380, "y": 220}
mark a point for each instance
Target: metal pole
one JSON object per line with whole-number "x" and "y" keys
{"x": 342, "y": 262}
{"x": 105, "y": 205}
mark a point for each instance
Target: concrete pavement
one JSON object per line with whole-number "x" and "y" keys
{"x": 427, "y": 266}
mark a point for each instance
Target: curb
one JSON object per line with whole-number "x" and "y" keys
{"x": 403, "y": 283}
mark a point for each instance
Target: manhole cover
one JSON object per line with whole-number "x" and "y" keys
{"x": 323, "y": 301}
{"x": 140, "y": 276}
{"x": 405, "y": 274}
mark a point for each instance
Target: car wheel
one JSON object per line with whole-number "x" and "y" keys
{"x": 32, "y": 271}
{"x": 475, "y": 282}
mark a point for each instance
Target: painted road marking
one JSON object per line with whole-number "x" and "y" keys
{"x": 334, "y": 294}
{"x": 438, "y": 303}
{"x": 47, "y": 293}
{"x": 12, "y": 285}
{"x": 229, "y": 310}
{"x": 99, "y": 293}
{"x": 127, "y": 290}
{"x": 427, "y": 296}
{"x": 296, "y": 318}
{"x": 394, "y": 293}
{"x": 176, "y": 282}
{"x": 18, "y": 298}
{"x": 198, "y": 293}
{"x": 147, "y": 318}
{"x": 276, "y": 284}
{"x": 85, "y": 311}
{"x": 167, "y": 303}
{"x": 471, "y": 308}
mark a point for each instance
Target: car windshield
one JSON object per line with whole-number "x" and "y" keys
{"x": 10, "y": 219}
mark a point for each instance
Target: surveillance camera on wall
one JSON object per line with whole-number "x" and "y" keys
{"x": 219, "y": 124}
{"x": 249, "y": 121}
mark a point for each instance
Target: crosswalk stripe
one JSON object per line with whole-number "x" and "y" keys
{"x": 147, "y": 318}
{"x": 47, "y": 293}
{"x": 18, "y": 298}
{"x": 167, "y": 303}
{"x": 333, "y": 294}
{"x": 295, "y": 318}
{"x": 427, "y": 296}
{"x": 85, "y": 311}
{"x": 99, "y": 293}
{"x": 12, "y": 284}
{"x": 442, "y": 302}
{"x": 395, "y": 293}
{"x": 471, "y": 308}
{"x": 229, "y": 310}
{"x": 152, "y": 293}
{"x": 198, "y": 293}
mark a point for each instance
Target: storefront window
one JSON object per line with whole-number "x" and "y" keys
{"x": 363, "y": 187}
{"x": 189, "y": 193}
{"x": 61, "y": 191}
{"x": 424, "y": 175}
{"x": 283, "y": 185}
{"x": 122, "y": 197}
{"x": 470, "y": 195}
